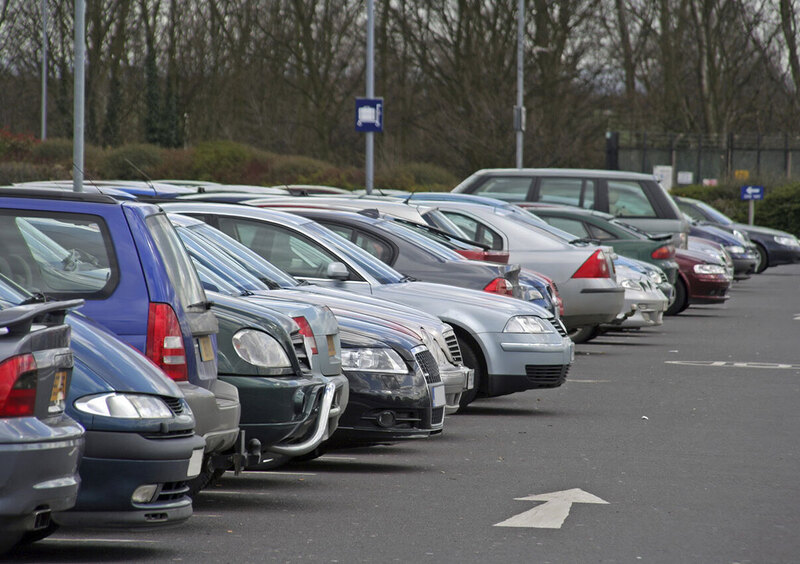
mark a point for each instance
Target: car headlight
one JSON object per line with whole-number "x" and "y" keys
{"x": 532, "y": 293}
{"x": 260, "y": 349}
{"x": 708, "y": 269}
{"x": 527, "y": 324}
{"x": 373, "y": 360}
{"x": 739, "y": 236}
{"x": 735, "y": 249}
{"x": 787, "y": 241}
{"x": 433, "y": 346}
{"x": 629, "y": 284}
{"x": 124, "y": 406}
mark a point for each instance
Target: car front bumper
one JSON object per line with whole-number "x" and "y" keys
{"x": 456, "y": 380}
{"x": 525, "y": 361}
{"x": 708, "y": 290}
{"x": 216, "y": 412}
{"x": 115, "y": 464}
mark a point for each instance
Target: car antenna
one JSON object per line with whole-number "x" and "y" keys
{"x": 410, "y": 195}
{"x": 140, "y": 171}
{"x": 87, "y": 177}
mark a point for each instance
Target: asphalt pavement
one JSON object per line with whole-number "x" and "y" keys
{"x": 673, "y": 444}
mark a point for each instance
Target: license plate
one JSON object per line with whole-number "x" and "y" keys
{"x": 59, "y": 392}
{"x": 195, "y": 463}
{"x": 331, "y": 346}
{"x": 206, "y": 349}
{"x": 471, "y": 380}
{"x": 437, "y": 399}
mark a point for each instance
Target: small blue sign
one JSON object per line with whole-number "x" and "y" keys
{"x": 369, "y": 115}
{"x": 752, "y": 192}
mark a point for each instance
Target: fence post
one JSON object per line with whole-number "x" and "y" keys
{"x": 612, "y": 150}
{"x": 699, "y": 157}
{"x": 729, "y": 156}
{"x": 787, "y": 156}
{"x": 644, "y": 151}
{"x": 758, "y": 155}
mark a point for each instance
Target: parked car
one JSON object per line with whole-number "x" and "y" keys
{"x": 645, "y": 303}
{"x": 702, "y": 279}
{"x": 744, "y": 256}
{"x": 584, "y": 274}
{"x": 714, "y": 250}
{"x": 249, "y": 273}
{"x": 125, "y": 260}
{"x": 415, "y": 255}
{"x": 605, "y": 229}
{"x": 639, "y": 198}
{"x": 512, "y": 345}
{"x": 140, "y": 446}
{"x": 40, "y": 445}
{"x": 773, "y": 247}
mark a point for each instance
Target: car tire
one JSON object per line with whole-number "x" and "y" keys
{"x": 583, "y": 334}
{"x": 763, "y": 258}
{"x": 681, "y": 299}
{"x": 470, "y": 360}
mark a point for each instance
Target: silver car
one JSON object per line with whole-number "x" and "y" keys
{"x": 512, "y": 345}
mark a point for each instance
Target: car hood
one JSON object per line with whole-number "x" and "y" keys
{"x": 760, "y": 229}
{"x": 103, "y": 363}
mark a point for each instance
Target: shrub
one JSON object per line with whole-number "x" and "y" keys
{"x": 175, "y": 164}
{"x": 427, "y": 174}
{"x": 16, "y": 146}
{"x": 56, "y": 150}
{"x": 296, "y": 169}
{"x": 11, "y": 172}
{"x": 780, "y": 209}
{"x": 220, "y": 161}
{"x": 122, "y": 163}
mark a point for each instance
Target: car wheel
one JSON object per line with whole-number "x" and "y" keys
{"x": 583, "y": 334}
{"x": 681, "y": 299}
{"x": 763, "y": 259}
{"x": 471, "y": 360}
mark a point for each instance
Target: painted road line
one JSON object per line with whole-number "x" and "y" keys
{"x": 552, "y": 513}
{"x": 122, "y": 541}
{"x": 234, "y": 492}
{"x": 589, "y": 381}
{"x": 271, "y": 473}
{"x": 337, "y": 458}
{"x": 726, "y": 364}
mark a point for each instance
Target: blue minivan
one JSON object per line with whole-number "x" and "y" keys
{"x": 125, "y": 260}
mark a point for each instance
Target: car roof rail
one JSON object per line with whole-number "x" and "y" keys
{"x": 54, "y": 194}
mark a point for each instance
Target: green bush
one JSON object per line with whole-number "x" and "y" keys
{"x": 221, "y": 161}
{"x": 12, "y": 171}
{"x": 15, "y": 146}
{"x": 56, "y": 150}
{"x": 176, "y": 164}
{"x": 780, "y": 209}
{"x": 427, "y": 174}
{"x": 296, "y": 169}
{"x": 122, "y": 163}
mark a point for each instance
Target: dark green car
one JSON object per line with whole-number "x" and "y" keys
{"x": 605, "y": 229}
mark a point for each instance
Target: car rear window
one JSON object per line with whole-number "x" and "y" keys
{"x": 509, "y": 189}
{"x": 627, "y": 198}
{"x": 179, "y": 266}
{"x": 59, "y": 255}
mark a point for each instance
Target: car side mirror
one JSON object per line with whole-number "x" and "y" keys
{"x": 337, "y": 271}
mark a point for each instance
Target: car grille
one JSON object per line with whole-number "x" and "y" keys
{"x": 429, "y": 367}
{"x": 300, "y": 351}
{"x": 559, "y": 327}
{"x": 169, "y": 435}
{"x": 547, "y": 375}
{"x": 175, "y": 405}
{"x": 437, "y": 416}
{"x": 452, "y": 345}
{"x": 172, "y": 491}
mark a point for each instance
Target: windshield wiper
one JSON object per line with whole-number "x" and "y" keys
{"x": 36, "y": 298}
{"x": 407, "y": 278}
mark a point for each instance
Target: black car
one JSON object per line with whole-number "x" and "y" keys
{"x": 773, "y": 247}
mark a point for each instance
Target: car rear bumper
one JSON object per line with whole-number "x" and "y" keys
{"x": 216, "y": 412}
{"x": 116, "y": 464}
{"x": 39, "y": 474}
{"x": 642, "y": 309}
{"x": 590, "y": 301}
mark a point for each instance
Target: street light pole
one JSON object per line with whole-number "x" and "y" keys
{"x": 519, "y": 109}
{"x": 44, "y": 70}
{"x": 77, "y": 130}
{"x": 370, "y": 149}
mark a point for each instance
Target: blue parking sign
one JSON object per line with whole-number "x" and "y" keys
{"x": 752, "y": 192}
{"x": 369, "y": 115}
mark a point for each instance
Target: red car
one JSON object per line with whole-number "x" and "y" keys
{"x": 701, "y": 280}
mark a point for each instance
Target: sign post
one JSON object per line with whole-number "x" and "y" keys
{"x": 751, "y": 194}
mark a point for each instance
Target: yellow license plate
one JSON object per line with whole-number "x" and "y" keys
{"x": 206, "y": 349}
{"x": 331, "y": 346}
{"x": 59, "y": 392}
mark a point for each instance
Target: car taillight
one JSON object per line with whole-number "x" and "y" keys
{"x": 472, "y": 254}
{"x": 307, "y": 333}
{"x": 594, "y": 267}
{"x": 500, "y": 286}
{"x": 663, "y": 253}
{"x": 18, "y": 378}
{"x": 497, "y": 256}
{"x": 165, "y": 341}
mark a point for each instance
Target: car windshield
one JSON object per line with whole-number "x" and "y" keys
{"x": 640, "y": 234}
{"x": 380, "y": 271}
{"x": 437, "y": 236}
{"x": 10, "y": 293}
{"x": 439, "y": 251}
{"x": 536, "y": 223}
{"x": 714, "y": 214}
{"x": 245, "y": 257}
{"x": 436, "y": 218}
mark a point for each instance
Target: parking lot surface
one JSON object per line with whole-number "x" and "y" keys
{"x": 673, "y": 444}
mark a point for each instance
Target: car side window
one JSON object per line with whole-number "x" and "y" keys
{"x": 691, "y": 211}
{"x": 600, "y": 233}
{"x": 289, "y": 251}
{"x": 372, "y": 245}
{"x": 567, "y": 191}
{"x": 509, "y": 189}
{"x": 476, "y": 230}
{"x": 573, "y": 226}
{"x": 627, "y": 198}
{"x": 58, "y": 254}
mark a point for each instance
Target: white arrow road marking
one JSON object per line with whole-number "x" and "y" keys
{"x": 552, "y": 513}
{"x": 797, "y": 316}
